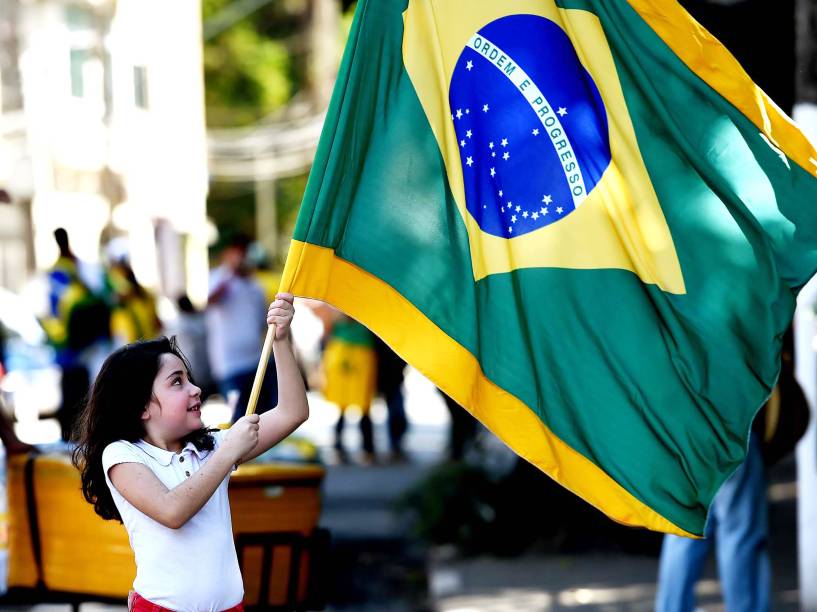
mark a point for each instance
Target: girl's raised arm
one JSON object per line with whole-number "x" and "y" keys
{"x": 292, "y": 409}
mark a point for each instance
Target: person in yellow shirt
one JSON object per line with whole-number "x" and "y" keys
{"x": 134, "y": 315}
{"x": 78, "y": 327}
{"x": 350, "y": 375}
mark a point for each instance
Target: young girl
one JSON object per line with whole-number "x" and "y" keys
{"x": 147, "y": 460}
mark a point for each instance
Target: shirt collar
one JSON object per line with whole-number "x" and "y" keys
{"x": 164, "y": 457}
{"x": 192, "y": 448}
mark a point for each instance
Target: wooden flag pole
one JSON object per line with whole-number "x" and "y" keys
{"x": 262, "y": 368}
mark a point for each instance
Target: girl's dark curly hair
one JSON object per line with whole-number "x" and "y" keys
{"x": 119, "y": 396}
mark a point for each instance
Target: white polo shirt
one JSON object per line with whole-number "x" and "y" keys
{"x": 190, "y": 569}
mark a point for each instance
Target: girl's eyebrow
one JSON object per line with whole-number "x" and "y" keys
{"x": 172, "y": 374}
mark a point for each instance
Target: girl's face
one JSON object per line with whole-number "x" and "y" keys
{"x": 175, "y": 409}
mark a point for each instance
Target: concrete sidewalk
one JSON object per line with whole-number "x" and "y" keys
{"x": 595, "y": 582}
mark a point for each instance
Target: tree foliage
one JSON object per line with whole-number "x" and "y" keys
{"x": 251, "y": 68}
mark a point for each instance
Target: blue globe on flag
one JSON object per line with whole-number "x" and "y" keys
{"x": 530, "y": 123}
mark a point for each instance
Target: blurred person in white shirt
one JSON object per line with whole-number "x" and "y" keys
{"x": 235, "y": 313}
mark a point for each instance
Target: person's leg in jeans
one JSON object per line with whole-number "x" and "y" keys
{"x": 680, "y": 568}
{"x": 367, "y": 433}
{"x": 462, "y": 431}
{"x": 268, "y": 397}
{"x": 339, "y": 432}
{"x": 738, "y": 522}
{"x": 228, "y": 388}
{"x": 742, "y": 536}
{"x": 74, "y": 385}
{"x": 397, "y": 420}
{"x": 242, "y": 382}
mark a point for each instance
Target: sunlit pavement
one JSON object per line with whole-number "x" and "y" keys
{"x": 604, "y": 582}
{"x": 590, "y": 582}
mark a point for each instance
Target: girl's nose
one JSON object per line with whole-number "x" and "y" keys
{"x": 195, "y": 391}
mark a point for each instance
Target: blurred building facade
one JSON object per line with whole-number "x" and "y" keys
{"x": 102, "y": 132}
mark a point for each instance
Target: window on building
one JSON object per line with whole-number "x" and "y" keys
{"x": 78, "y": 18}
{"x": 140, "y": 86}
{"x": 86, "y": 55}
{"x": 80, "y": 59}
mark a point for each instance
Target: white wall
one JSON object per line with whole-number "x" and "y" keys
{"x": 159, "y": 151}
{"x": 806, "y": 351}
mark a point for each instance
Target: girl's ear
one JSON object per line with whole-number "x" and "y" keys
{"x": 146, "y": 413}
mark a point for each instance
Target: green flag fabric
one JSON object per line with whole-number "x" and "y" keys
{"x": 581, "y": 220}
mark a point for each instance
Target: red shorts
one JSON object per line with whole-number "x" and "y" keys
{"x": 137, "y": 603}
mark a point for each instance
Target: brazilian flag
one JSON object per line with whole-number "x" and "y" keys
{"x": 581, "y": 219}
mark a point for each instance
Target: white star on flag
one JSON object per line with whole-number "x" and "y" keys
{"x": 513, "y": 218}
{"x": 562, "y": 111}
{"x": 547, "y": 199}
{"x": 535, "y": 215}
{"x": 485, "y": 108}
{"x": 468, "y": 133}
{"x": 543, "y": 210}
{"x": 493, "y": 172}
{"x": 500, "y": 193}
{"x": 525, "y": 214}
{"x": 459, "y": 113}
{"x": 518, "y": 208}
{"x": 469, "y": 65}
{"x": 467, "y": 111}
{"x": 491, "y": 145}
{"x": 493, "y": 153}
{"x": 506, "y": 155}
{"x": 559, "y": 209}
{"x": 462, "y": 143}
{"x": 504, "y": 142}
{"x": 469, "y": 162}
{"x": 535, "y": 131}
{"x": 510, "y": 230}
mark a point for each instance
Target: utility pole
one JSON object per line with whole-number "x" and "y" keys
{"x": 324, "y": 49}
{"x": 266, "y": 215}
